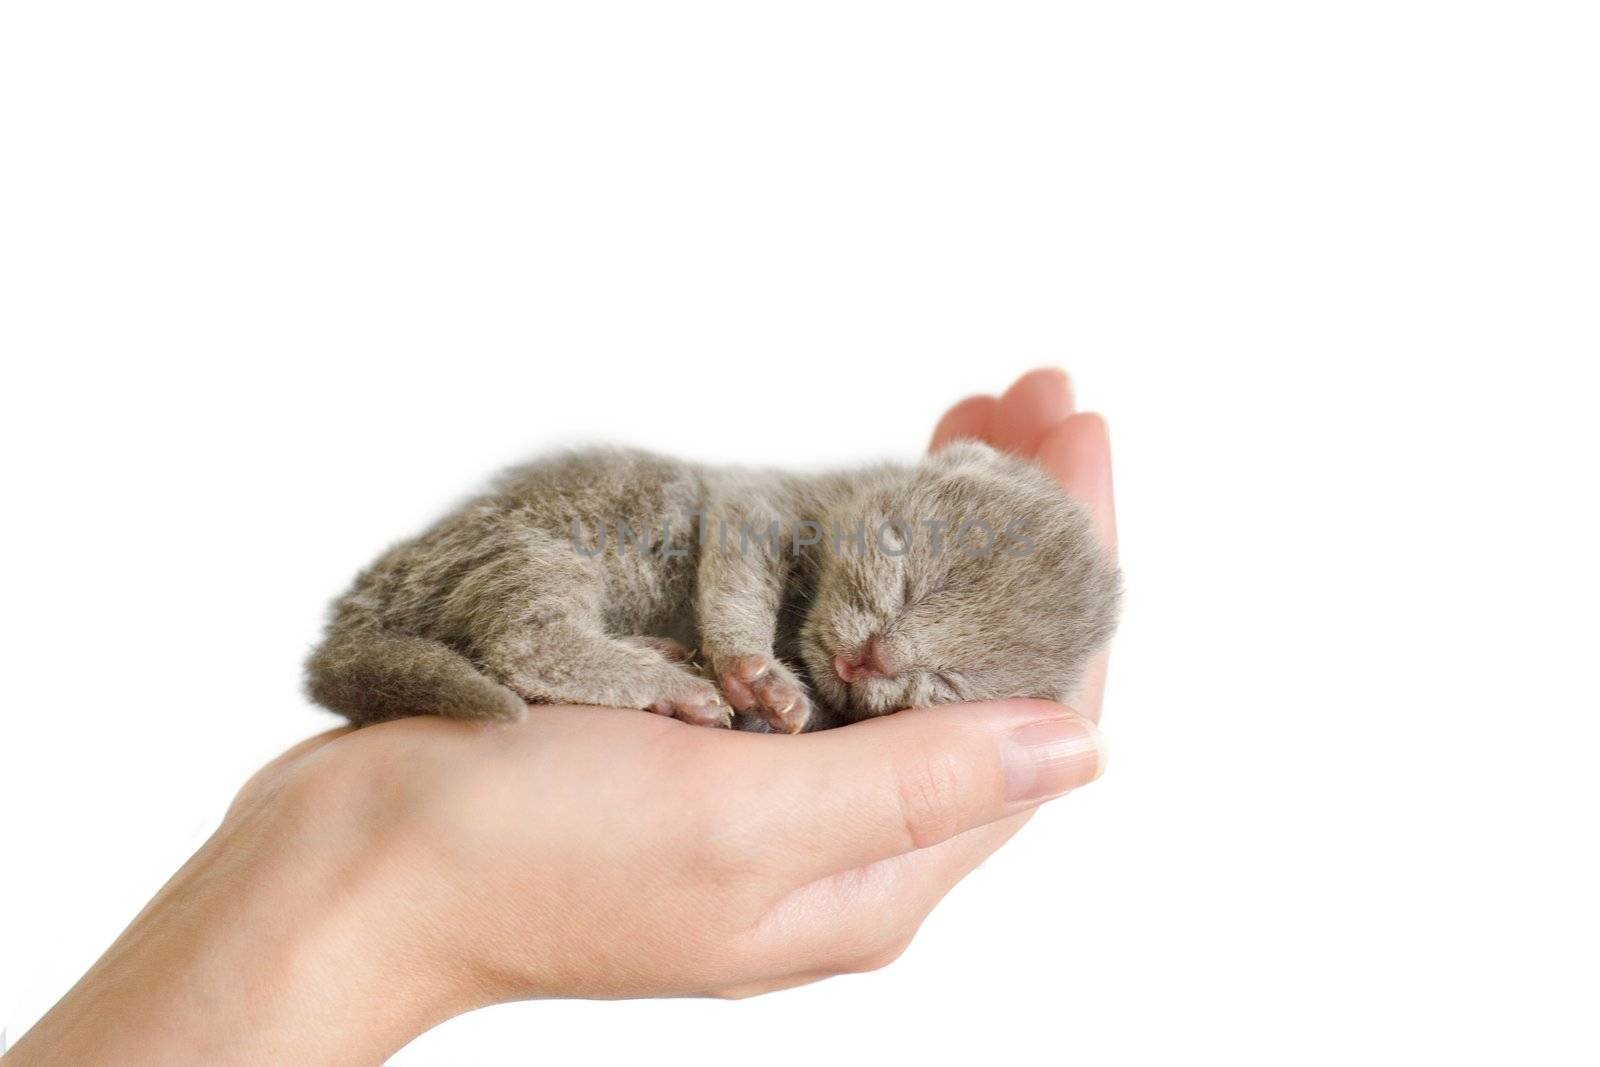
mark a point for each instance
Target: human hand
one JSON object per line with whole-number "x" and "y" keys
{"x": 369, "y": 884}
{"x": 696, "y": 861}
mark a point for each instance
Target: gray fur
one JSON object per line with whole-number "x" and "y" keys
{"x": 496, "y": 606}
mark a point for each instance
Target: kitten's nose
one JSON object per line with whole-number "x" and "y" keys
{"x": 868, "y": 661}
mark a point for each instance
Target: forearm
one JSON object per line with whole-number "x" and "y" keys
{"x": 261, "y": 949}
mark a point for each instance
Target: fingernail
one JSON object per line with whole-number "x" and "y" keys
{"x": 1047, "y": 758}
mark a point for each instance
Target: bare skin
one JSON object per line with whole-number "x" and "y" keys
{"x": 367, "y": 885}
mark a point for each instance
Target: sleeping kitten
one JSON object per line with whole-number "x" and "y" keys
{"x": 814, "y": 599}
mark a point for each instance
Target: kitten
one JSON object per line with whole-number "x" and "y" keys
{"x": 814, "y": 599}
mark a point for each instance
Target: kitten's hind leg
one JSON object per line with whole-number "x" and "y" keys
{"x": 370, "y": 675}
{"x": 569, "y": 662}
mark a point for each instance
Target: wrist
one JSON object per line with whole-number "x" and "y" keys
{"x": 286, "y": 936}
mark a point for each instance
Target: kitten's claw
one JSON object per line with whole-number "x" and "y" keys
{"x": 694, "y": 714}
{"x": 697, "y": 707}
{"x": 762, "y": 686}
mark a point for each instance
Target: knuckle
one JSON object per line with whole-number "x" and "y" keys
{"x": 717, "y": 847}
{"x": 717, "y": 850}
{"x": 931, "y": 788}
{"x": 738, "y": 992}
{"x": 881, "y": 956}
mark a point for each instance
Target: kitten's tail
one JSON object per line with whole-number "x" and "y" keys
{"x": 369, "y": 674}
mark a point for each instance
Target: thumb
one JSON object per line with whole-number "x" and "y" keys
{"x": 907, "y": 781}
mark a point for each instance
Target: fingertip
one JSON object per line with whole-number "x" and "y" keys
{"x": 969, "y": 418}
{"x": 1050, "y": 379}
{"x": 1048, "y": 757}
{"x": 1036, "y": 402}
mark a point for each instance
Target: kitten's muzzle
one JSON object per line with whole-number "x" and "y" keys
{"x": 871, "y": 660}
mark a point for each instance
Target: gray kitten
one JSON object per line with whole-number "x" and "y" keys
{"x": 814, "y": 599}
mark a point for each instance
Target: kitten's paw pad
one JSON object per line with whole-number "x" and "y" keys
{"x": 762, "y": 686}
{"x": 698, "y": 704}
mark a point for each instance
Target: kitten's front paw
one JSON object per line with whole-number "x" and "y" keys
{"x": 760, "y": 685}
{"x": 695, "y": 701}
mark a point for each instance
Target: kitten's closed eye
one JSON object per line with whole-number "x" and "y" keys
{"x": 982, "y": 616}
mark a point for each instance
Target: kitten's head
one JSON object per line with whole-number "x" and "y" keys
{"x": 977, "y": 579}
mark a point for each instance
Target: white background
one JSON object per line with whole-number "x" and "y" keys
{"x": 279, "y": 282}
